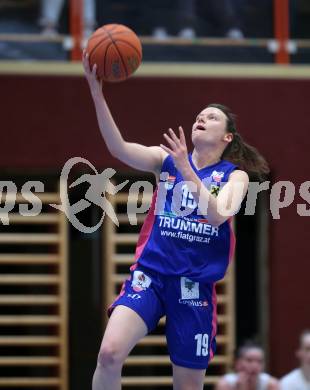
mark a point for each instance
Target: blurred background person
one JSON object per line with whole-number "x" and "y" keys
{"x": 249, "y": 375}
{"x": 51, "y": 11}
{"x": 226, "y": 16}
{"x": 160, "y": 15}
{"x": 223, "y": 15}
{"x": 299, "y": 379}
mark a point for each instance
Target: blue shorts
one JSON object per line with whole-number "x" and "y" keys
{"x": 189, "y": 307}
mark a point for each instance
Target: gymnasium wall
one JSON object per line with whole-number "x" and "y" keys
{"x": 48, "y": 119}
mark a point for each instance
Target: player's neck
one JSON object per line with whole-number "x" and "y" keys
{"x": 306, "y": 372}
{"x": 203, "y": 157}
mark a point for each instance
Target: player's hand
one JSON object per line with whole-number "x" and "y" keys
{"x": 177, "y": 149}
{"x": 95, "y": 84}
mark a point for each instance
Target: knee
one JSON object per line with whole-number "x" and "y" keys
{"x": 110, "y": 355}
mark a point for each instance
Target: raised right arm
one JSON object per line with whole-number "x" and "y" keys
{"x": 144, "y": 158}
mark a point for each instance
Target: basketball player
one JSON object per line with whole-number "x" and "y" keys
{"x": 249, "y": 372}
{"x": 178, "y": 258}
{"x": 299, "y": 378}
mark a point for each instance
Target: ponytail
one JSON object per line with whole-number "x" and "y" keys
{"x": 245, "y": 156}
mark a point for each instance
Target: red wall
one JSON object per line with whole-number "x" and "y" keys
{"x": 46, "y": 120}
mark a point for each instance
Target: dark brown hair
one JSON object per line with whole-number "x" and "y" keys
{"x": 245, "y": 156}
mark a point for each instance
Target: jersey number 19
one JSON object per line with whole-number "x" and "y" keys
{"x": 202, "y": 344}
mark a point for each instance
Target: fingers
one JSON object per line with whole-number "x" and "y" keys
{"x": 94, "y": 70}
{"x": 174, "y": 137}
{"x": 182, "y": 136}
{"x": 86, "y": 61}
{"x": 170, "y": 141}
{"x": 86, "y": 65}
{"x": 174, "y": 142}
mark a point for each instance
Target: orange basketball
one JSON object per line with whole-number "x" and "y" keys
{"x": 116, "y": 50}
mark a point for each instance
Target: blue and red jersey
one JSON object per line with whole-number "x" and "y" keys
{"x": 175, "y": 238}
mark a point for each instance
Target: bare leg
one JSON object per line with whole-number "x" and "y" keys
{"x": 89, "y": 16}
{"x": 187, "y": 378}
{"x": 50, "y": 12}
{"x": 125, "y": 328}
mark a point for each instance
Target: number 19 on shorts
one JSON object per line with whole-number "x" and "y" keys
{"x": 202, "y": 340}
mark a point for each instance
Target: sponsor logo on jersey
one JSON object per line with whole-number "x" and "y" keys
{"x": 170, "y": 182}
{"x": 140, "y": 281}
{"x": 194, "y": 302}
{"x": 190, "y": 293}
{"x": 217, "y": 176}
{"x": 185, "y": 224}
{"x": 214, "y": 189}
{"x": 189, "y": 289}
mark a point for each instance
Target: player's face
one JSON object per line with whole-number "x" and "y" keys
{"x": 210, "y": 127}
{"x": 252, "y": 362}
{"x": 238, "y": 364}
{"x": 304, "y": 351}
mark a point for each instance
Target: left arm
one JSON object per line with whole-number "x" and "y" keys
{"x": 231, "y": 194}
